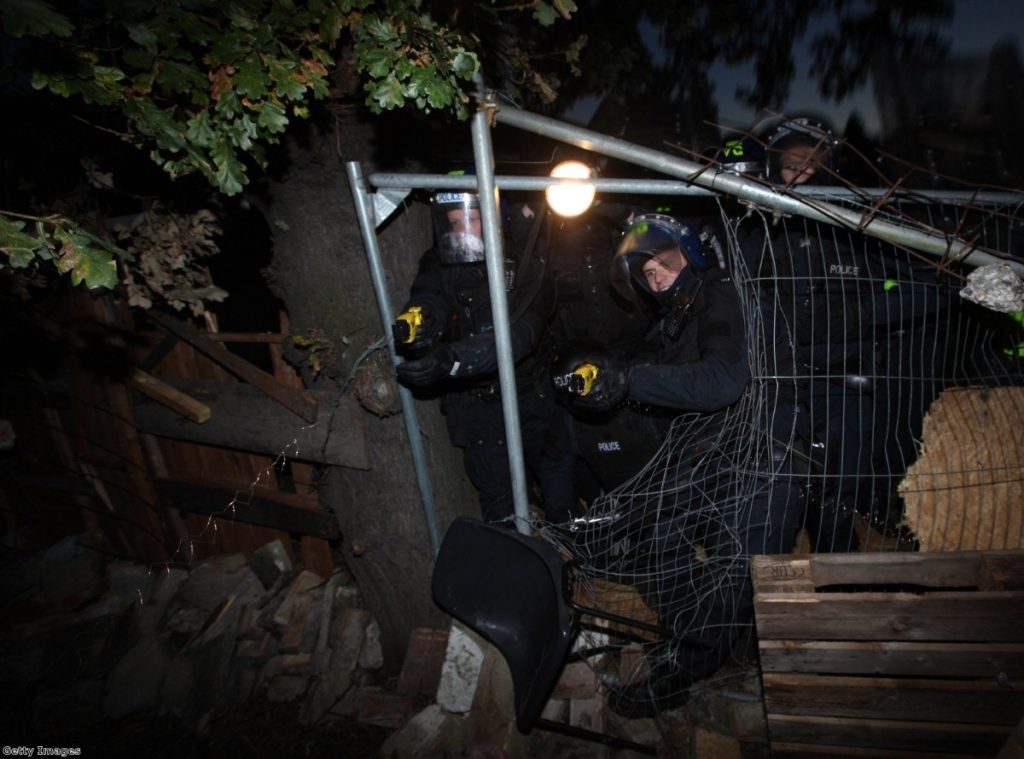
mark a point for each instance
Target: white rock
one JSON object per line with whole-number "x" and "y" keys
{"x": 372, "y": 656}
{"x": 460, "y": 672}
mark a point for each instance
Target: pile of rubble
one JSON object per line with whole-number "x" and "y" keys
{"x": 474, "y": 710}
{"x": 82, "y": 633}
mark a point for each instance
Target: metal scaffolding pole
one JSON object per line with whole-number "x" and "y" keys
{"x": 488, "y": 193}
{"x": 698, "y": 180}
{"x": 946, "y": 247}
{"x": 390, "y": 180}
{"x": 364, "y": 213}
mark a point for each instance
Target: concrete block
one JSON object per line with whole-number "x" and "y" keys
{"x": 135, "y": 682}
{"x": 167, "y": 582}
{"x": 492, "y": 720}
{"x": 283, "y": 688}
{"x": 208, "y": 585}
{"x": 348, "y": 631}
{"x": 131, "y": 583}
{"x": 460, "y": 673}
{"x": 747, "y": 720}
{"x": 587, "y": 713}
{"x": 372, "y": 655}
{"x": 711, "y": 745}
{"x": 269, "y": 562}
{"x": 576, "y": 681}
{"x": 432, "y": 732}
{"x": 386, "y": 709}
{"x": 176, "y": 690}
{"x": 424, "y": 658}
{"x": 298, "y": 593}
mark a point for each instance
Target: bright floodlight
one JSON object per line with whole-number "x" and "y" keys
{"x": 570, "y": 199}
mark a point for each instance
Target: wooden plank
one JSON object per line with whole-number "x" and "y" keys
{"x": 974, "y": 660}
{"x": 243, "y": 419}
{"x": 158, "y": 470}
{"x": 804, "y": 750}
{"x": 1003, "y": 569}
{"x": 1014, "y": 746}
{"x": 963, "y": 569}
{"x": 983, "y": 616}
{"x": 36, "y": 477}
{"x": 926, "y": 570}
{"x": 248, "y": 337}
{"x": 298, "y": 402}
{"x": 861, "y": 653}
{"x": 157, "y": 354}
{"x": 899, "y": 735}
{"x": 263, "y": 507}
{"x": 920, "y": 700}
{"x": 170, "y": 397}
{"x": 781, "y": 574}
{"x": 241, "y": 495}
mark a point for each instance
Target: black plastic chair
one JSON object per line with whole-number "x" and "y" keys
{"x": 516, "y": 591}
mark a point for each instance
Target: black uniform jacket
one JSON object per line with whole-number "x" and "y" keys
{"x": 706, "y": 368}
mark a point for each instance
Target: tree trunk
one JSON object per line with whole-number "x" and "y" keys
{"x": 321, "y": 274}
{"x": 245, "y": 419}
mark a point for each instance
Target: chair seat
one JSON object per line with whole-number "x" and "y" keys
{"x": 511, "y": 589}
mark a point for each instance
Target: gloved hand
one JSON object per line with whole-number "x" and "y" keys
{"x": 599, "y": 383}
{"x": 417, "y": 329}
{"x": 432, "y": 368}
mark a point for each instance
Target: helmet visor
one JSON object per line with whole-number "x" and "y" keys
{"x": 458, "y": 228}
{"x": 648, "y": 259}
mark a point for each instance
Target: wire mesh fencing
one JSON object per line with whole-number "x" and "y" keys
{"x": 885, "y": 412}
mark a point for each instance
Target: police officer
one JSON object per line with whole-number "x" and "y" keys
{"x": 446, "y": 329}
{"x": 802, "y": 151}
{"x": 841, "y": 295}
{"x": 693, "y": 359}
{"x": 813, "y": 279}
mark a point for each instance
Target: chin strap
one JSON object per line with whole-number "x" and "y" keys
{"x": 680, "y": 304}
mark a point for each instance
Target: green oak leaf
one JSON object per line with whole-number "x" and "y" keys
{"x": 96, "y": 268}
{"x": 466, "y": 64}
{"x": 230, "y": 175}
{"x": 380, "y": 30}
{"x": 385, "y": 94}
{"x": 12, "y": 236}
{"x": 545, "y": 14}
{"x": 181, "y": 77}
{"x": 440, "y": 94}
{"x": 273, "y": 117}
{"x": 20, "y": 258}
{"x": 142, "y": 35}
{"x": 138, "y": 57}
{"x": 378, "y": 62}
{"x": 36, "y": 17}
{"x": 199, "y": 130}
{"x": 283, "y": 74}
{"x": 250, "y": 79}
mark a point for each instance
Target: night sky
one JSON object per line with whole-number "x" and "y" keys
{"x": 976, "y": 28}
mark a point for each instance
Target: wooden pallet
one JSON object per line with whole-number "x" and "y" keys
{"x": 891, "y": 654}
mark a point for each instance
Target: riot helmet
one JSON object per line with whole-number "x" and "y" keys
{"x": 658, "y": 255}
{"x": 742, "y": 155}
{"x": 458, "y": 227}
{"x": 802, "y": 151}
